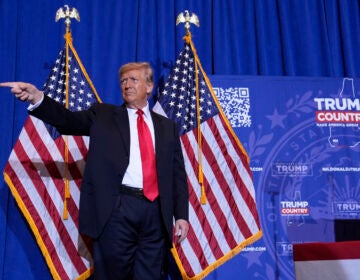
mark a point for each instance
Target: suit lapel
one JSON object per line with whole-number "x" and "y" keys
{"x": 157, "y": 130}
{"x": 122, "y": 121}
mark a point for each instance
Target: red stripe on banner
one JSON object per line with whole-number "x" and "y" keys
{"x": 43, "y": 152}
{"x": 54, "y": 171}
{"x": 226, "y": 189}
{"x": 47, "y": 159}
{"x": 213, "y": 197}
{"x": 221, "y": 218}
{"x": 76, "y": 176}
{"x": 206, "y": 230}
{"x": 195, "y": 202}
{"x": 35, "y": 217}
{"x": 46, "y": 198}
{"x": 73, "y": 168}
{"x": 182, "y": 255}
{"x": 239, "y": 152}
{"x": 248, "y": 198}
{"x": 82, "y": 146}
{"x": 51, "y": 209}
{"x": 326, "y": 251}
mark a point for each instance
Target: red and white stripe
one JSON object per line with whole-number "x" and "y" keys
{"x": 330, "y": 261}
{"x": 229, "y": 219}
{"x": 35, "y": 172}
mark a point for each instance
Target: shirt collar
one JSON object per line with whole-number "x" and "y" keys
{"x": 145, "y": 109}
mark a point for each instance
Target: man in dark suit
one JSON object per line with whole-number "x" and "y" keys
{"x": 129, "y": 229}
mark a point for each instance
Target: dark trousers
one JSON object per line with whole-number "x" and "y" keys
{"x": 132, "y": 246}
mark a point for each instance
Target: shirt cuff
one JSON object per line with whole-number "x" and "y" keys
{"x": 37, "y": 104}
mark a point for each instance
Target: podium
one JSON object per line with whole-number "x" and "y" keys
{"x": 330, "y": 261}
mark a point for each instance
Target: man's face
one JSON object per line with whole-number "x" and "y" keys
{"x": 135, "y": 89}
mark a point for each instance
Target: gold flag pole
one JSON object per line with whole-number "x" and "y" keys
{"x": 67, "y": 14}
{"x": 188, "y": 20}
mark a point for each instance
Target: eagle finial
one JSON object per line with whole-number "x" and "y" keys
{"x": 67, "y": 14}
{"x": 187, "y": 19}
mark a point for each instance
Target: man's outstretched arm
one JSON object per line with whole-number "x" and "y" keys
{"x": 24, "y": 91}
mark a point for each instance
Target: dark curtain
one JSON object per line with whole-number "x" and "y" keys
{"x": 246, "y": 37}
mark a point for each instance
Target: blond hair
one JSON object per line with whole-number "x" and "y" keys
{"x": 138, "y": 66}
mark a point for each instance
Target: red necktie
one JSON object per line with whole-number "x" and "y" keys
{"x": 148, "y": 163}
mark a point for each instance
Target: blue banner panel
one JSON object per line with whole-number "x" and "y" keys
{"x": 303, "y": 139}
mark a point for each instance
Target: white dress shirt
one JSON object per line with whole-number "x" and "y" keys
{"x": 133, "y": 176}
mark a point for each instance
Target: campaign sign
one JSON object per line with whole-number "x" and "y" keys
{"x": 302, "y": 136}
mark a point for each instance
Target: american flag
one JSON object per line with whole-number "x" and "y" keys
{"x": 217, "y": 169}
{"x": 44, "y": 172}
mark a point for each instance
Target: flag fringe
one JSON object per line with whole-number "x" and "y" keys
{"x": 33, "y": 227}
{"x": 86, "y": 274}
{"x": 37, "y": 234}
{"x": 219, "y": 262}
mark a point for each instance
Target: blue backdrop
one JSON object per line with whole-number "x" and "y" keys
{"x": 306, "y": 170}
{"x": 262, "y": 38}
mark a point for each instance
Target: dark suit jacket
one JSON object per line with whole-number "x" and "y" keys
{"x": 108, "y": 157}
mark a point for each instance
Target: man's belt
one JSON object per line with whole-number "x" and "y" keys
{"x": 131, "y": 191}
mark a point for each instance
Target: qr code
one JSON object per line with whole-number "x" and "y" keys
{"x": 235, "y": 102}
